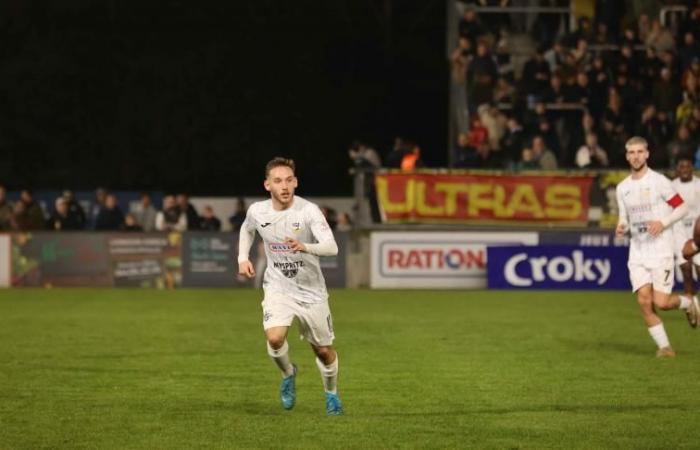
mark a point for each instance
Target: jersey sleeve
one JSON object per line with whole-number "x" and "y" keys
{"x": 322, "y": 232}
{"x": 669, "y": 193}
{"x": 246, "y": 236}
{"x": 621, "y": 208}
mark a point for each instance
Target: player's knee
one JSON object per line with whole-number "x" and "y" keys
{"x": 645, "y": 300}
{"x": 325, "y": 354}
{"x": 276, "y": 341}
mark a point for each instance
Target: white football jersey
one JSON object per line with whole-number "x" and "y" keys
{"x": 294, "y": 275}
{"x": 690, "y": 191}
{"x": 640, "y": 201}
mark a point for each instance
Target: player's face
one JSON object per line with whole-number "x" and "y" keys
{"x": 637, "y": 155}
{"x": 280, "y": 183}
{"x": 684, "y": 170}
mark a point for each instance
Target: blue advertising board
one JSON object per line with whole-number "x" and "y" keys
{"x": 557, "y": 267}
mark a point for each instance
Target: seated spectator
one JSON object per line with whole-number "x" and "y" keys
{"x": 185, "y": 206}
{"x": 171, "y": 218}
{"x": 545, "y": 158}
{"x": 31, "y": 216}
{"x": 209, "y": 221}
{"x": 6, "y": 211}
{"x": 145, "y": 213}
{"x": 62, "y": 219}
{"x": 591, "y": 155}
{"x": 237, "y": 219}
{"x": 75, "y": 211}
{"x": 131, "y": 224}
{"x": 527, "y": 160}
{"x": 556, "y": 56}
{"x": 110, "y": 216}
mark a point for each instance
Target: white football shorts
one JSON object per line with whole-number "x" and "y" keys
{"x": 315, "y": 319}
{"x": 660, "y": 274}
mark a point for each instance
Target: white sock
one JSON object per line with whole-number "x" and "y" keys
{"x": 658, "y": 333}
{"x": 281, "y": 358}
{"x": 685, "y": 302}
{"x": 329, "y": 375}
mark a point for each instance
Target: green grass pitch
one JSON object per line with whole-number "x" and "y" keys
{"x": 419, "y": 369}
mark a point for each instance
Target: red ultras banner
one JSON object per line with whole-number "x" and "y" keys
{"x": 483, "y": 198}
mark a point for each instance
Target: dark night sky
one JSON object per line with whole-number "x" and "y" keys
{"x": 199, "y": 95}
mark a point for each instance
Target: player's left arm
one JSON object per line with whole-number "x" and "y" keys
{"x": 675, "y": 201}
{"x": 325, "y": 245}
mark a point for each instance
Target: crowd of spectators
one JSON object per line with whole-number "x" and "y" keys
{"x": 176, "y": 214}
{"x": 581, "y": 93}
{"x": 105, "y": 214}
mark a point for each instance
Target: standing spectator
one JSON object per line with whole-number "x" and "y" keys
{"x": 62, "y": 219}
{"x": 75, "y": 211}
{"x": 110, "y": 216}
{"x": 209, "y": 221}
{"x": 545, "y": 158}
{"x": 513, "y": 140}
{"x": 536, "y": 73}
{"x": 482, "y": 74}
{"x": 34, "y": 214}
{"x": 393, "y": 159}
{"x": 464, "y": 154}
{"x": 344, "y": 222}
{"x": 527, "y": 160}
{"x": 145, "y": 213}
{"x": 130, "y": 223}
{"x": 185, "y": 206}
{"x": 659, "y": 37}
{"x": 5, "y": 210}
{"x": 97, "y": 206}
{"x": 364, "y": 156}
{"x": 237, "y": 219}
{"x": 171, "y": 218}
{"x": 469, "y": 25}
{"x": 667, "y": 93}
{"x": 682, "y": 145}
{"x": 689, "y": 51}
{"x": 411, "y": 159}
{"x": 591, "y": 155}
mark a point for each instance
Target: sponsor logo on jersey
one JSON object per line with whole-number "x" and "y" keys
{"x": 558, "y": 269}
{"x": 296, "y": 226}
{"x": 279, "y": 247}
{"x": 289, "y": 269}
{"x": 263, "y": 225}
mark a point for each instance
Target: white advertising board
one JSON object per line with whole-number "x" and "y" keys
{"x": 442, "y": 260}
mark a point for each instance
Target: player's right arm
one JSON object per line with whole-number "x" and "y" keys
{"x": 622, "y": 224}
{"x": 245, "y": 242}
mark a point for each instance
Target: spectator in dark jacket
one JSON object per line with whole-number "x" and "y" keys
{"x": 209, "y": 221}
{"x": 75, "y": 211}
{"x": 62, "y": 219}
{"x": 34, "y": 215}
{"x": 110, "y": 216}
{"x": 667, "y": 93}
{"x": 183, "y": 202}
{"x": 237, "y": 219}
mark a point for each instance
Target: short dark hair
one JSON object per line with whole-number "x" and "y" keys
{"x": 279, "y": 161}
{"x": 685, "y": 157}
